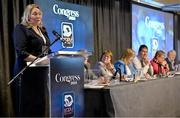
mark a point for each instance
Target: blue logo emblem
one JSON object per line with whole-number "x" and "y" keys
{"x": 67, "y": 35}
{"x": 68, "y": 105}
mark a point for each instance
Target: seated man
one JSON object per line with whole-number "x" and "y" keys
{"x": 170, "y": 59}
{"x": 141, "y": 62}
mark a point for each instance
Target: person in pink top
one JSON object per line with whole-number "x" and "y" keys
{"x": 159, "y": 63}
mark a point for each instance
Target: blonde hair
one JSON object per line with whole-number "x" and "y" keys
{"x": 107, "y": 53}
{"x": 27, "y": 13}
{"x": 126, "y": 55}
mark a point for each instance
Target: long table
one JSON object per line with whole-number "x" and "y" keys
{"x": 159, "y": 97}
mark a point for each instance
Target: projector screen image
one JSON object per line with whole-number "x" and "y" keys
{"x": 153, "y": 28}
{"x": 73, "y": 22}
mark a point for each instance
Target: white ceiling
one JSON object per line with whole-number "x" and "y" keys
{"x": 168, "y": 1}
{"x": 166, "y": 5}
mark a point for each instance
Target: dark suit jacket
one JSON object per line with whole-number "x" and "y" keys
{"x": 171, "y": 65}
{"x": 27, "y": 42}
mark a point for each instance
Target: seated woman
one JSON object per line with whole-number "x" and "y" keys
{"x": 89, "y": 75}
{"x": 125, "y": 62}
{"x": 105, "y": 67}
{"x": 159, "y": 63}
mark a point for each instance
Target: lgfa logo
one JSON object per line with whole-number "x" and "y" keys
{"x": 67, "y": 35}
{"x": 68, "y": 105}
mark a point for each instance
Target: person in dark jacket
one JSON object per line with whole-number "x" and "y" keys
{"x": 30, "y": 37}
{"x": 30, "y": 40}
{"x": 171, "y": 59}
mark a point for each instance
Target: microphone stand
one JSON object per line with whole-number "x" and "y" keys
{"x": 26, "y": 67}
{"x": 19, "y": 75}
{"x": 118, "y": 70}
{"x": 21, "y": 72}
{"x": 114, "y": 76}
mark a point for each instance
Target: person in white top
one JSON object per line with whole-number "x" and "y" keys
{"x": 105, "y": 67}
{"x": 142, "y": 63}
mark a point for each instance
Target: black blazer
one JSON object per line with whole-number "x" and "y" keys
{"x": 27, "y": 42}
{"x": 171, "y": 66}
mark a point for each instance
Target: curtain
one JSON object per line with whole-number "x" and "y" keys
{"x": 177, "y": 36}
{"x": 10, "y": 14}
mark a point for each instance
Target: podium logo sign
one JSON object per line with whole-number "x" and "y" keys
{"x": 67, "y": 35}
{"x": 72, "y": 79}
{"x": 66, "y": 85}
{"x": 68, "y": 105}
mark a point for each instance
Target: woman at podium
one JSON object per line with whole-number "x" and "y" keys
{"x": 30, "y": 37}
{"x": 31, "y": 41}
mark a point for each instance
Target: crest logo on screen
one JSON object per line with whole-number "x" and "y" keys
{"x": 67, "y": 35}
{"x": 68, "y": 105}
{"x": 154, "y": 46}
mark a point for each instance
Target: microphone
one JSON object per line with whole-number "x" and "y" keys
{"x": 118, "y": 70}
{"x": 85, "y": 66}
{"x": 120, "y": 74}
{"x": 114, "y": 76}
{"x": 58, "y": 36}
